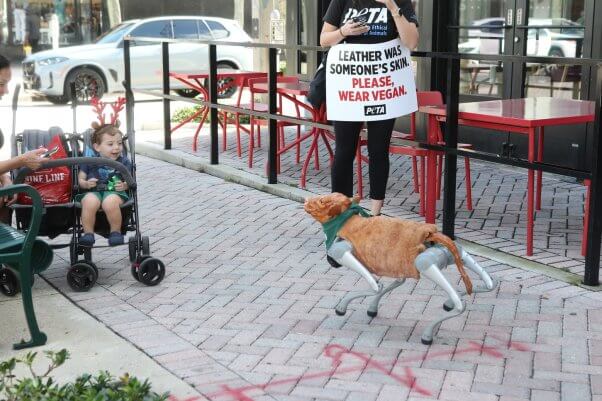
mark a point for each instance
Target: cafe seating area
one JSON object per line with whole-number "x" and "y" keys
{"x": 496, "y": 216}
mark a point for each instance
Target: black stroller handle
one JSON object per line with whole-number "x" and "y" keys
{"x": 72, "y": 161}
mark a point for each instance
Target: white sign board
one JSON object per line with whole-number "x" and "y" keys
{"x": 277, "y": 31}
{"x": 369, "y": 82}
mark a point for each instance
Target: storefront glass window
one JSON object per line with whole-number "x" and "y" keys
{"x": 558, "y": 31}
{"x": 54, "y": 23}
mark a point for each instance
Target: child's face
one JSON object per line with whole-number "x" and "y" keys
{"x": 110, "y": 146}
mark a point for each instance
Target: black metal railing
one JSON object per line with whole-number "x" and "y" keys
{"x": 592, "y": 260}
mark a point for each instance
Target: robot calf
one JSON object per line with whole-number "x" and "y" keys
{"x": 390, "y": 247}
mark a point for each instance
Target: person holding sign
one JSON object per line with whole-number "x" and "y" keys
{"x": 363, "y": 75}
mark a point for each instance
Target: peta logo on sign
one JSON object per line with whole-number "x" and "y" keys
{"x": 376, "y": 110}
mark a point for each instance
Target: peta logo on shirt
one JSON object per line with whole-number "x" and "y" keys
{"x": 377, "y": 15}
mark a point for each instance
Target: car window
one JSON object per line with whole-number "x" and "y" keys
{"x": 185, "y": 29}
{"x": 493, "y": 27}
{"x": 204, "y": 31}
{"x": 115, "y": 34}
{"x": 217, "y": 29}
{"x": 154, "y": 29}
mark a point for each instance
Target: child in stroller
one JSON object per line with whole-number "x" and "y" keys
{"x": 103, "y": 184}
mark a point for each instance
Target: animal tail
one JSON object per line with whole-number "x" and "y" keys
{"x": 444, "y": 240}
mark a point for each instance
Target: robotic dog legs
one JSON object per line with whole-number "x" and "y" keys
{"x": 429, "y": 263}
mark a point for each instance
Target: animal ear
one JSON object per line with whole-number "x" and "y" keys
{"x": 335, "y": 210}
{"x": 95, "y": 125}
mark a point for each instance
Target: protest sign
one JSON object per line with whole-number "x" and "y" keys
{"x": 369, "y": 82}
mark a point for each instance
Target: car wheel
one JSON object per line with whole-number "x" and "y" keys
{"x": 88, "y": 84}
{"x": 556, "y": 52}
{"x": 189, "y": 93}
{"x": 225, "y": 87}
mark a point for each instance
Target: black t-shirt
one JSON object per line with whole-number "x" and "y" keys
{"x": 375, "y": 14}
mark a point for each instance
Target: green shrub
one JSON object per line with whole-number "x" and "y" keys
{"x": 41, "y": 387}
{"x": 187, "y": 112}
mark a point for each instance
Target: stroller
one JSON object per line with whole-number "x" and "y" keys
{"x": 65, "y": 218}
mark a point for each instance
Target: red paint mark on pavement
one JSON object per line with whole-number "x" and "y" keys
{"x": 409, "y": 380}
{"x": 337, "y": 352}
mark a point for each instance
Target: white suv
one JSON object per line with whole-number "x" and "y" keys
{"x": 98, "y": 68}
{"x": 487, "y": 37}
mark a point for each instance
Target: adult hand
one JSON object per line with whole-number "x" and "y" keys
{"x": 354, "y": 28}
{"x": 5, "y": 180}
{"x": 121, "y": 186}
{"x": 32, "y": 159}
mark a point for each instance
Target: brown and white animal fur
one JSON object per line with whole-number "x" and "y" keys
{"x": 386, "y": 246}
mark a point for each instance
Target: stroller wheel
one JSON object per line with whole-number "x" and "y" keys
{"x": 91, "y": 264}
{"x": 136, "y": 267}
{"x": 151, "y": 271}
{"x": 9, "y": 282}
{"x": 82, "y": 276}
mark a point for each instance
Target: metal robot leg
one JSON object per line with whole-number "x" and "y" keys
{"x": 489, "y": 283}
{"x": 430, "y": 263}
{"x": 342, "y": 253}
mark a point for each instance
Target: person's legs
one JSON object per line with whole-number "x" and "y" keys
{"x": 379, "y": 139}
{"x": 346, "y": 138}
{"x": 5, "y": 215}
{"x": 111, "y": 206}
{"x": 90, "y": 205}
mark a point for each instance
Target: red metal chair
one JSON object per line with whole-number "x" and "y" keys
{"x": 417, "y": 154}
{"x": 398, "y": 149}
{"x": 260, "y": 122}
{"x": 435, "y": 98}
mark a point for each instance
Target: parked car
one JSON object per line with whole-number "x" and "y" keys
{"x": 98, "y": 68}
{"x": 487, "y": 37}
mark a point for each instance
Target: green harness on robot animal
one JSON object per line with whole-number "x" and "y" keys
{"x": 333, "y": 226}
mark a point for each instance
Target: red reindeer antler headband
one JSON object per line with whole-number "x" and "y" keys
{"x": 99, "y": 108}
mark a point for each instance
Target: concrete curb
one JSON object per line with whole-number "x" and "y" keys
{"x": 245, "y": 178}
{"x": 227, "y": 173}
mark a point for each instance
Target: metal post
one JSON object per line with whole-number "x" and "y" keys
{"x": 127, "y": 83}
{"x": 451, "y": 141}
{"x": 594, "y": 235}
{"x": 74, "y": 102}
{"x": 166, "y": 102}
{"x": 213, "y": 100}
{"x": 273, "y": 126}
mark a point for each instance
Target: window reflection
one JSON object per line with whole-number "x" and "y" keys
{"x": 556, "y": 30}
{"x": 484, "y": 34}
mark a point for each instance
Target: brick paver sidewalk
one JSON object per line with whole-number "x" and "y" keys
{"x": 499, "y": 198}
{"x": 246, "y": 311}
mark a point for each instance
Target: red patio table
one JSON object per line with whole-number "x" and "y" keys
{"x": 290, "y": 91}
{"x": 194, "y": 81}
{"x": 524, "y": 116}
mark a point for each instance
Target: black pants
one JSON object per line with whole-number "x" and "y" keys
{"x": 379, "y": 139}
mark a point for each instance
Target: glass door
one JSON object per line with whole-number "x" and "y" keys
{"x": 483, "y": 30}
{"x": 546, "y": 28}
{"x": 556, "y": 28}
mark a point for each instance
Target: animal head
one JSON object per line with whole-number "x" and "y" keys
{"x": 325, "y": 207}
